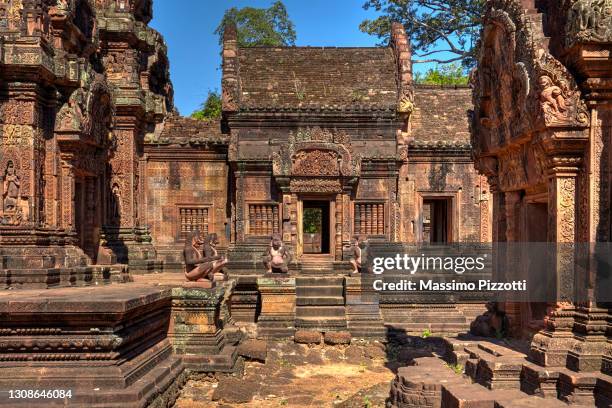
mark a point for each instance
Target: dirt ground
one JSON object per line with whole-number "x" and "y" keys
{"x": 313, "y": 376}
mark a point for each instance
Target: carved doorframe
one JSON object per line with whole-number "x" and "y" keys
{"x": 334, "y": 223}
{"x": 454, "y": 213}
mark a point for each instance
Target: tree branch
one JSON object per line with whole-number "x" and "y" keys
{"x": 433, "y": 52}
{"x": 441, "y": 34}
{"x": 439, "y": 61}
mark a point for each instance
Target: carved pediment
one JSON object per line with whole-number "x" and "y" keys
{"x": 519, "y": 87}
{"x": 316, "y": 163}
{"x": 88, "y": 111}
{"x": 317, "y": 152}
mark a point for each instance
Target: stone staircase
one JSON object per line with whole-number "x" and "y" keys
{"x": 323, "y": 265}
{"x": 320, "y": 303}
{"x": 437, "y": 319}
{"x": 486, "y": 373}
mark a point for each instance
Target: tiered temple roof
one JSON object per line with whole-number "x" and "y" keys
{"x": 318, "y": 77}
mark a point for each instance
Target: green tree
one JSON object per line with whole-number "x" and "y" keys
{"x": 259, "y": 26}
{"x": 449, "y": 74}
{"x": 434, "y": 26}
{"x": 210, "y": 109}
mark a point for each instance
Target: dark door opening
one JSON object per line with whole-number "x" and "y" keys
{"x": 535, "y": 230}
{"x": 436, "y": 221}
{"x": 315, "y": 227}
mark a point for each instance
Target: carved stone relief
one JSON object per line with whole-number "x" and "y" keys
{"x": 589, "y": 21}
{"x": 315, "y": 163}
{"x": 316, "y": 152}
{"x": 12, "y": 213}
{"x": 537, "y": 92}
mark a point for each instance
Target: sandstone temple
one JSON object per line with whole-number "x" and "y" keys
{"x": 103, "y": 185}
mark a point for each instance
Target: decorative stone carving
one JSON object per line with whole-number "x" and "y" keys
{"x": 406, "y": 103}
{"x": 589, "y": 21}
{"x": 355, "y": 250}
{"x": 202, "y": 261}
{"x": 11, "y": 207}
{"x": 333, "y": 148}
{"x": 316, "y": 163}
{"x": 229, "y": 99}
{"x": 537, "y": 92}
{"x": 316, "y": 185}
{"x": 512, "y": 174}
{"x": 88, "y": 111}
{"x": 277, "y": 256}
{"x": 10, "y": 14}
{"x": 559, "y": 95}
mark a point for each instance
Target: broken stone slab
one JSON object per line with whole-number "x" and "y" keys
{"x": 254, "y": 350}
{"x": 235, "y": 390}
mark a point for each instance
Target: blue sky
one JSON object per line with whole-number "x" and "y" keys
{"x": 188, "y": 26}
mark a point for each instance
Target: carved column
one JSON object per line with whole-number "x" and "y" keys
{"x": 590, "y": 323}
{"x": 499, "y": 211}
{"x": 293, "y": 220}
{"x": 23, "y": 155}
{"x": 240, "y": 215}
{"x": 68, "y": 193}
{"x": 127, "y": 237}
{"x": 511, "y": 206}
{"x": 339, "y": 222}
{"x": 550, "y": 346}
{"x": 286, "y": 214}
{"x": 484, "y": 200}
{"x": 347, "y": 227}
{"x": 512, "y": 200}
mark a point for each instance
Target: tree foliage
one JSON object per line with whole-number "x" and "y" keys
{"x": 259, "y": 26}
{"x": 434, "y": 26}
{"x": 449, "y": 74}
{"x": 210, "y": 109}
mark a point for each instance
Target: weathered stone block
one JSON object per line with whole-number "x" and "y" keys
{"x": 307, "y": 337}
{"x": 196, "y": 329}
{"x": 340, "y": 337}
{"x": 277, "y": 318}
{"x": 254, "y": 350}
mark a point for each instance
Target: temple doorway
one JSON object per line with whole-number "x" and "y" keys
{"x": 436, "y": 220}
{"x": 316, "y": 227}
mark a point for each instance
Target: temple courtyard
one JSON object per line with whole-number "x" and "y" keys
{"x": 149, "y": 259}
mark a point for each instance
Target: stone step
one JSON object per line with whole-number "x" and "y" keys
{"x": 319, "y": 291}
{"x": 319, "y": 281}
{"x": 321, "y": 324}
{"x": 417, "y": 328}
{"x": 428, "y": 382}
{"x": 425, "y": 318}
{"x": 320, "y": 311}
{"x": 320, "y": 301}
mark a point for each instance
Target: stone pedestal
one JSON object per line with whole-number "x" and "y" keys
{"x": 590, "y": 333}
{"x": 363, "y": 309}
{"x": 549, "y": 348}
{"x": 131, "y": 246}
{"x": 106, "y": 344}
{"x": 277, "y": 318}
{"x": 196, "y": 329}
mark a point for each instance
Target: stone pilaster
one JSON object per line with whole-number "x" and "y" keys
{"x": 278, "y": 299}
{"x": 196, "y": 329}
{"x": 363, "y": 309}
{"x": 124, "y": 234}
{"x": 338, "y": 227}
{"x": 589, "y": 350}
{"x": 550, "y": 346}
{"x": 512, "y": 201}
